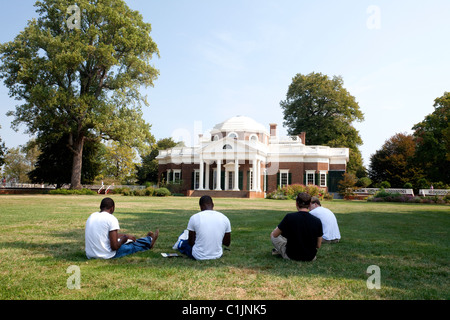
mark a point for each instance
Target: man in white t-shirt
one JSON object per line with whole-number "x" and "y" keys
{"x": 330, "y": 226}
{"x": 208, "y": 231}
{"x": 102, "y": 240}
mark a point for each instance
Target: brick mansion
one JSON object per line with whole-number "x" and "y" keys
{"x": 241, "y": 158}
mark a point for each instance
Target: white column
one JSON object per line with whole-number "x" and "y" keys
{"x": 254, "y": 175}
{"x": 219, "y": 174}
{"x": 236, "y": 175}
{"x": 202, "y": 169}
{"x": 226, "y": 179}
{"x": 207, "y": 176}
{"x": 258, "y": 175}
{"x": 168, "y": 175}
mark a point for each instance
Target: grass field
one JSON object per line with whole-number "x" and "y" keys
{"x": 41, "y": 236}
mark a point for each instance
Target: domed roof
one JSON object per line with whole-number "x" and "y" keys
{"x": 239, "y": 124}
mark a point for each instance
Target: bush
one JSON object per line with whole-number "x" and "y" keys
{"x": 70, "y": 191}
{"x": 139, "y": 192}
{"x": 293, "y": 190}
{"x": 125, "y": 191}
{"x": 162, "y": 192}
{"x": 290, "y": 192}
{"x": 396, "y": 197}
{"x": 149, "y": 191}
{"x": 277, "y": 195}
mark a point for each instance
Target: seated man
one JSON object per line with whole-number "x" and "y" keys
{"x": 208, "y": 231}
{"x": 299, "y": 234}
{"x": 330, "y": 226}
{"x": 102, "y": 239}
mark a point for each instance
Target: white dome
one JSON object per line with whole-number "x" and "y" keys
{"x": 239, "y": 124}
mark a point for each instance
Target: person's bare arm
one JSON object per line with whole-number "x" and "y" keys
{"x": 319, "y": 242}
{"x": 226, "y": 239}
{"x": 192, "y": 237}
{"x": 114, "y": 237}
{"x": 276, "y": 232}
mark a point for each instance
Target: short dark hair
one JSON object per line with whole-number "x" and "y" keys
{"x": 206, "y": 200}
{"x": 315, "y": 200}
{"x": 303, "y": 200}
{"x": 107, "y": 203}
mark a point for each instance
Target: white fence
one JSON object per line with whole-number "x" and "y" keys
{"x": 434, "y": 192}
{"x": 98, "y": 188}
{"x": 372, "y": 191}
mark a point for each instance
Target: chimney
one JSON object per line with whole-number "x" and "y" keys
{"x": 302, "y": 137}
{"x": 273, "y": 129}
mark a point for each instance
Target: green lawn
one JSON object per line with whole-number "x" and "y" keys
{"x": 43, "y": 235}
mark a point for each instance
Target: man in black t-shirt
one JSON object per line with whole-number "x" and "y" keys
{"x": 299, "y": 234}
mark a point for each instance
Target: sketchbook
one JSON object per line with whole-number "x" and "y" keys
{"x": 169, "y": 255}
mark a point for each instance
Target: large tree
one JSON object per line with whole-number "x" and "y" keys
{"x": 395, "y": 162}
{"x": 2, "y": 152}
{"x": 325, "y": 110}
{"x": 432, "y": 136}
{"x": 81, "y": 79}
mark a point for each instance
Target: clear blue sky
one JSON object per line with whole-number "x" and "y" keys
{"x": 225, "y": 58}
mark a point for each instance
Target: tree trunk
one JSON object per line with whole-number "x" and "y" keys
{"x": 77, "y": 163}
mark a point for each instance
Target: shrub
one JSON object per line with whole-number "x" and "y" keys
{"x": 70, "y": 191}
{"x": 139, "y": 192}
{"x": 162, "y": 192}
{"x": 314, "y": 191}
{"x": 277, "y": 195}
{"x": 382, "y": 194}
{"x": 291, "y": 192}
{"x": 126, "y": 191}
{"x": 149, "y": 191}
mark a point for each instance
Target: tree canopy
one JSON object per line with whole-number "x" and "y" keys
{"x": 432, "y": 137}
{"x": 394, "y": 162}
{"x": 81, "y": 82}
{"x": 325, "y": 110}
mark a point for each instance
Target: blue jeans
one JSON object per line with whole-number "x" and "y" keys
{"x": 141, "y": 244}
{"x": 185, "y": 248}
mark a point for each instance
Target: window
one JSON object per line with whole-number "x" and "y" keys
{"x": 323, "y": 179}
{"x": 216, "y": 138}
{"x": 254, "y": 138}
{"x": 230, "y": 180}
{"x": 227, "y": 147}
{"x": 233, "y": 135}
{"x": 196, "y": 179}
{"x": 310, "y": 177}
{"x": 284, "y": 178}
{"x": 176, "y": 176}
